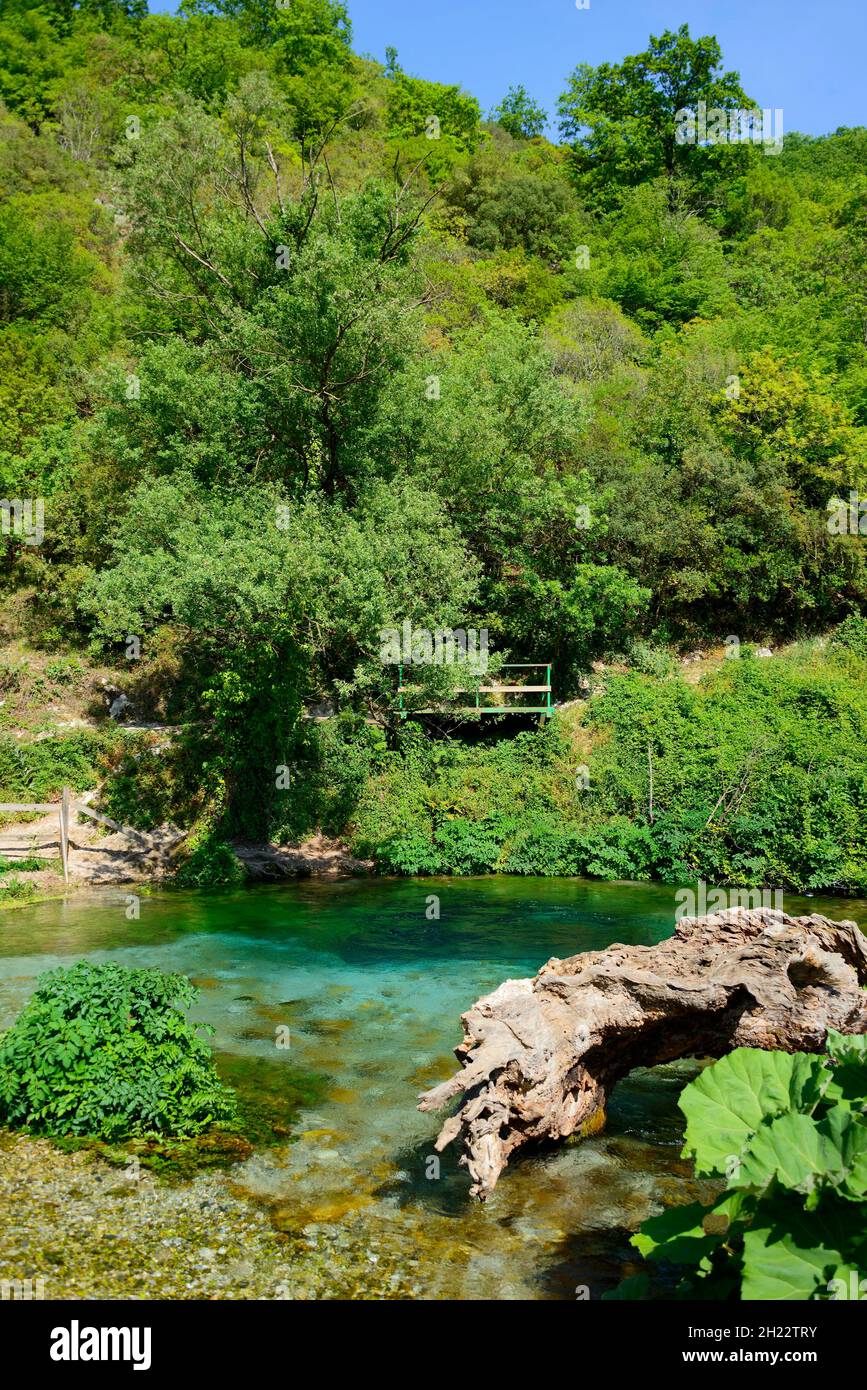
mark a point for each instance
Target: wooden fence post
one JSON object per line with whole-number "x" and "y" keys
{"x": 64, "y": 833}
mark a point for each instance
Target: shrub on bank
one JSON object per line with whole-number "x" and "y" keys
{"x": 107, "y": 1052}
{"x": 38, "y": 770}
{"x": 208, "y": 862}
{"x": 755, "y": 776}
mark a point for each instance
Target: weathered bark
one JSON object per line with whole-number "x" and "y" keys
{"x": 540, "y": 1056}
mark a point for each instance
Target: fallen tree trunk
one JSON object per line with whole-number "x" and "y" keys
{"x": 540, "y": 1057}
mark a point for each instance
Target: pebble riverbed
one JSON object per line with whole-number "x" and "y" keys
{"x": 78, "y": 1228}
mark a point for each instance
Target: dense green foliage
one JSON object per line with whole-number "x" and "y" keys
{"x": 38, "y": 771}
{"x": 759, "y": 774}
{"x": 759, "y": 777}
{"x": 107, "y": 1052}
{"x": 297, "y": 348}
{"x": 789, "y": 1136}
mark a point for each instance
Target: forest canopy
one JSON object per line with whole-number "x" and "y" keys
{"x": 296, "y": 347}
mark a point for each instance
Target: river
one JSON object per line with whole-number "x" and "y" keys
{"x": 334, "y": 1004}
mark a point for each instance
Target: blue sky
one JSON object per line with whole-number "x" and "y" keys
{"x": 805, "y": 56}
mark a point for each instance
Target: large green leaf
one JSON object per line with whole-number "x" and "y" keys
{"x": 848, "y": 1083}
{"x": 848, "y": 1132}
{"x": 777, "y": 1267}
{"x": 688, "y": 1234}
{"x": 794, "y": 1151}
{"x": 792, "y": 1253}
{"x": 728, "y": 1102}
{"x": 847, "y": 1047}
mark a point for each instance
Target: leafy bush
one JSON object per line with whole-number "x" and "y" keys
{"x": 38, "y": 771}
{"x": 468, "y": 847}
{"x": 103, "y": 1051}
{"x": 652, "y": 661}
{"x": 759, "y": 779}
{"x": 851, "y": 636}
{"x": 331, "y": 763}
{"x": 410, "y": 854}
{"x": 618, "y": 849}
{"x": 788, "y": 1133}
{"x": 17, "y": 890}
{"x": 208, "y": 862}
{"x": 759, "y": 771}
{"x": 63, "y": 670}
{"x": 467, "y": 809}
{"x": 542, "y": 846}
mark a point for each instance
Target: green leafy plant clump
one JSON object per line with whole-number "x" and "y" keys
{"x": 788, "y": 1134}
{"x": 107, "y": 1052}
{"x": 37, "y": 770}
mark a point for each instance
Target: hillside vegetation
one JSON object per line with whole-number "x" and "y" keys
{"x": 297, "y": 347}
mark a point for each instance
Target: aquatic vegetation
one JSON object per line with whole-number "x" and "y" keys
{"x": 788, "y": 1135}
{"x": 270, "y": 1095}
{"x": 17, "y": 890}
{"x": 105, "y": 1051}
{"x": 175, "y": 1160}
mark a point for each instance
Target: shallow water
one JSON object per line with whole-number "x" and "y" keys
{"x": 368, "y": 994}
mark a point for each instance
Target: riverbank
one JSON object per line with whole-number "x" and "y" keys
{"x": 671, "y": 770}
{"x": 97, "y": 859}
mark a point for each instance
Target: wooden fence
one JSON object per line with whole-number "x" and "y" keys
{"x": 64, "y": 809}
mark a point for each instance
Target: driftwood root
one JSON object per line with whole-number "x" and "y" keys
{"x": 541, "y": 1056}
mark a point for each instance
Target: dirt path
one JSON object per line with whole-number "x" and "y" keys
{"x": 94, "y": 857}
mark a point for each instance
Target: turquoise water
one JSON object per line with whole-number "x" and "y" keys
{"x": 368, "y": 993}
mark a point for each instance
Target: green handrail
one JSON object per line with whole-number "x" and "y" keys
{"x": 547, "y": 709}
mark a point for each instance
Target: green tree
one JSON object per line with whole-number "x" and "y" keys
{"x": 621, "y": 118}
{"x": 499, "y": 206}
{"x": 801, "y": 423}
{"x": 658, "y": 261}
{"x": 520, "y": 115}
{"x": 270, "y": 598}
{"x": 435, "y": 124}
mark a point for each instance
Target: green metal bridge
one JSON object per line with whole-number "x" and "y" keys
{"x": 543, "y": 704}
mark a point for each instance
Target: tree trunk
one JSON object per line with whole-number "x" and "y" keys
{"x": 540, "y": 1057}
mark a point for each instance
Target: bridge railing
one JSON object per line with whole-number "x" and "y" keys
{"x": 543, "y": 705}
